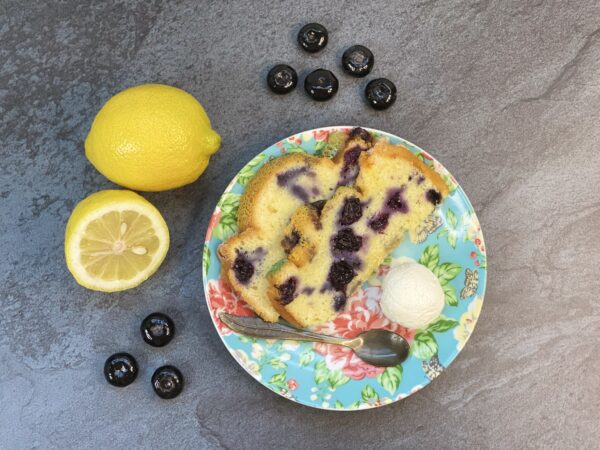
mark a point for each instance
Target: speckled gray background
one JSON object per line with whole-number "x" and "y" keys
{"x": 505, "y": 93}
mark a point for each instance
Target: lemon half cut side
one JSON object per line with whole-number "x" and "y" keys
{"x": 115, "y": 240}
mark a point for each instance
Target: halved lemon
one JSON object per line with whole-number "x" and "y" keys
{"x": 115, "y": 240}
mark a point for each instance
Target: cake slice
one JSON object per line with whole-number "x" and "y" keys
{"x": 278, "y": 189}
{"x": 341, "y": 242}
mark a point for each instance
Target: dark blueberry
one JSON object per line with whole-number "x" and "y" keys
{"x": 308, "y": 290}
{"x": 351, "y": 211}
{"x": 290, "y": 241}
{"x": 282, "y": 79}
{"x": 361, "y": 133}
{"x": 318, "y": 206}
{"x": 350, "y": 168}
{"x": 397, "y": 202}
{"x": 300, "y": 193}
{"x": 243, "y": 268}
{"x": 339, "y": 301}
{"x": 433, "y": 196}
{"x": 167, "y": 382}
{"x": 312, "y": 37}
{"x": 358, "y": 60}
{"x": 347, "y": 240}
{"x": 321, "y": 84}
{"x": 381, "y": 93}
{"x": 420, "y": 179}
{"x": 379, "y": 222}
{"x": 340, "y": 274}
{"x": 287, "y": 291}
{"x": 120, "y": 369}
{"x": 286, "y": 178}
{"x": 157, "y": 329}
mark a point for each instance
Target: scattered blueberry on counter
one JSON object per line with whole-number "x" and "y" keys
{"x": 282, "y": 79}
{"x": 358, "y": 61}
{"x": 157, "y": 329}
{"x": 313, "y": 37}
{"x": 381, "y": 93}
{"x": 321, "y": 84}
{"x": 167, "y": 382}
{"x": 120, "y": 369}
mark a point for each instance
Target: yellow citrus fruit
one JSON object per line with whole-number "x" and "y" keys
{"x": 114, "y": 240}
{"x": 151, "y": 138}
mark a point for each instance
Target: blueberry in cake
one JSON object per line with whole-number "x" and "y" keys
{"x": 334, "y": 246}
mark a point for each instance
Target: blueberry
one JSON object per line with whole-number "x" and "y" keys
{"x": 397, "y": 202}
{"x": 358, "y": 61}
{"x": 379, "y": 222}
{"x": 243, "y": 268}
{"x": 381, "y": 93}
{"x": 339, "y": 301}
{"x": 167, "y": 382}
{"x": 345, "y": 239}
{"x": 318, "y": 206}
{"x": 321, "y": 84}
{"x": 120, "y": 369}
{"x": 290, "y": 241}
{"x": 157, "y": 329}
{"x": 282, "y": 79}
{"x": 287, "y": 291}
{"x": 361, "y": 133}
{"x": 312, "y": 37}
{"x": 340, "y": 274}
{"x": 433, "y": 196}
{"x": 351, "y": 211}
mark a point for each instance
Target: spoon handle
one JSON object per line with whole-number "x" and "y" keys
{"x": 254, "y": 326}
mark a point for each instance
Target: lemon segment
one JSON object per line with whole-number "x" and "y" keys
{"x": 115, "y": 240}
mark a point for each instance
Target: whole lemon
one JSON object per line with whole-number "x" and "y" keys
{"x": 151, "y": 137}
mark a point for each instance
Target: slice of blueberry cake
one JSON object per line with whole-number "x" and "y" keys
{"x": 278, "y": 189}
{"x": 335, "y": 246}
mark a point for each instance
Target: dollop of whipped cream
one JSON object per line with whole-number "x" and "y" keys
{"x": 412, "y": 295}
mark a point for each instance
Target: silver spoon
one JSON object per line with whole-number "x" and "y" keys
{"x": 377, "y": 347}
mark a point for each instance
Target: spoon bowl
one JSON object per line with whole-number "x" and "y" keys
{"x": 380, "y": 348}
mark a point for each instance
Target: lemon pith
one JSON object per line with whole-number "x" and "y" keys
{"x": 151, "y": 137}
{"x": 114, "y": 240}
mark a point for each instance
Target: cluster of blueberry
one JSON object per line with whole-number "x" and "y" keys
{"x": 121, "y": 369}
{"x": 322, "y": 84}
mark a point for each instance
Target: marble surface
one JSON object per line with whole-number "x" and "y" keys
{"x": 506, "y": 94}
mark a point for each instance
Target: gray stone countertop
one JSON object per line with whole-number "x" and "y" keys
{"x": 505, "y": 93}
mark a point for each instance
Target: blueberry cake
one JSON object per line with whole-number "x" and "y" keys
{"x": 333, "y": 246}
{"x": 278, "y": 189}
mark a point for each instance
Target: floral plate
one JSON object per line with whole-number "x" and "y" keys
{"x": 332, "y": 377}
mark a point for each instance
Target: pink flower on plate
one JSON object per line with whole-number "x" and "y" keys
{"x": 221, "y": 298}
{"x": 321, "y": 135}
{"x": 362, "y": 313}
{"x": 214, "y": 220}
{"x": 292, "y": 384}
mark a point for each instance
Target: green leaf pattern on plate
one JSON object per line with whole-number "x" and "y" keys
{"x": 227, "y": 225}
{"x": 445, "y": 272}
{"x": 250, "y": 169}
{"x": 368, "y": 394}
{"x": 390, "y": 378}
{"x": 424, "y": 346}
{"x": 205, "y": 259}
{"x": 442, "y": 324}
